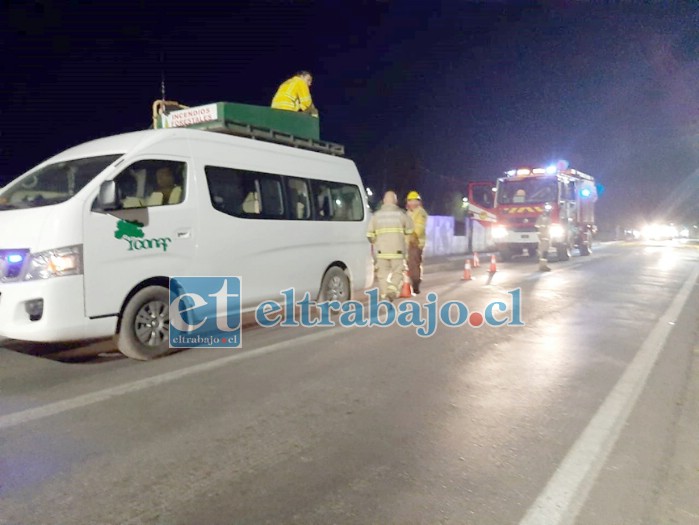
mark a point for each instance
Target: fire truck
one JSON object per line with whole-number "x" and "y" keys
{"x": 481, "y": 216}
{"x": 520, "y": 197}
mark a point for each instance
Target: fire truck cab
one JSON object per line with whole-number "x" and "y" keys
{"x": 520, "y": 198}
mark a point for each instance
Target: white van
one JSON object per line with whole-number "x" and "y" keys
{"x": 89, "y": 238}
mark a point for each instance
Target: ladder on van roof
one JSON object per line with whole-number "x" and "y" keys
{"x": 243, "y": 120}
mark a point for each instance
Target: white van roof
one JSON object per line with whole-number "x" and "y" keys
{"x": 113, "y": 145}
{"x": 137, "y": 140}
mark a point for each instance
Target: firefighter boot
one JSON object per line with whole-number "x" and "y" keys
{"x": 544, "y": 266}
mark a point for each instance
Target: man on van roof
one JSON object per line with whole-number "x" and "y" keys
{"x": 295, "y": 95}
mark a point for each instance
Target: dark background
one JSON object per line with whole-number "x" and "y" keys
{"x": 424, "y": 95}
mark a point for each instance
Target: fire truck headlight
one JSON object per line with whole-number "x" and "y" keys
{"x": 557, "y": 232}
{"x": 499, "y": 231}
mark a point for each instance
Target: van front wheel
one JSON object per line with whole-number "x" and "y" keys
{"x": 145, "y": 325}
{"x": 335, "y": 286}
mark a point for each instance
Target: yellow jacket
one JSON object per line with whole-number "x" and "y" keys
{"x": 293, "y": 95}
{"x": 419, "y": 218}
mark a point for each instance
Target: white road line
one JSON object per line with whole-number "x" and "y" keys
{"x": 568, "y": 489}
{"x": 32, "y": 414}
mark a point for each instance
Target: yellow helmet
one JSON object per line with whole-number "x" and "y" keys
{"x": 413, "y": 195}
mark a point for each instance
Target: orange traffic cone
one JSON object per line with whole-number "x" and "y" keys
{"x": 467, "y": 271}
{"x": 476, "y": 260}
{"x": 407, "y": 290}
{"x": 493, "y": 266}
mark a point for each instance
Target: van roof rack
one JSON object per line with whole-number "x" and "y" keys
{"x": 243, "y": 129}
{"x": 256, "y": 122}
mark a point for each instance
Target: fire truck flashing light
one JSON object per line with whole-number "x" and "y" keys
{"x": 551, "y": 170}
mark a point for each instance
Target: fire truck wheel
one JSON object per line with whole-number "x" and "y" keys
{"x": 563, "y": 251}
{"x": 504, "y": 255}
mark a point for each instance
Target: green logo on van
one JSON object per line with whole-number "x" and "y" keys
{"x": 132, "y": 232}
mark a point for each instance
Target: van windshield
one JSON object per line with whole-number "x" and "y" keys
{"x": 54, "y": 183}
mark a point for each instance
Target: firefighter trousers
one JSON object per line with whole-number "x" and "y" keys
{"x": 544, "y": 245}
{"x": 415, "y": 266}
{"x": 389, "y": 273}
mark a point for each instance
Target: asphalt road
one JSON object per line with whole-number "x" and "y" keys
{"x": 587, "y": 414}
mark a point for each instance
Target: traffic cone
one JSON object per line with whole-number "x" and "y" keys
{"x": 476, "y": 260}
{"x": 493, "y": 266}
{"x": 467, "y": 271}
{"x": 407, "y": 290}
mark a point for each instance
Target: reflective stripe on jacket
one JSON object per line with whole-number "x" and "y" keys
{"x": 388, "y": 229}
{"x": 293, "y": 95}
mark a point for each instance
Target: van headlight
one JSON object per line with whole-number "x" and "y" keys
{"x": 55, "y": 263}
{"x": 499, "y": 231}
{"x": 557, "y": 231}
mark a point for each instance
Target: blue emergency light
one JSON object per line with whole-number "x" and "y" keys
{"x": 14, "y": 258}
{"x": 585, "y": 192}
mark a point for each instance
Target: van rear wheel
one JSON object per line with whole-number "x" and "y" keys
{"x": 335, "y": 286}
{"x": 145, "y": 325}
{"x": 504, "y": 254}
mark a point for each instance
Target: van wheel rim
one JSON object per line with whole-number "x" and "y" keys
{"x": 336, "y": 288}
{"x": 152, "y": 324}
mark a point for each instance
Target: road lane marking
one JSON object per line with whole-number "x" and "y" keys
{"x": 51, "y": 409}
{"x": 568, "y": 489}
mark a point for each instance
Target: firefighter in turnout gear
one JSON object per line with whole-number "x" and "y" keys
{"x": 543, "y": 226}
{"x": 417, "y": 240}
{"x": 388, "y": 231}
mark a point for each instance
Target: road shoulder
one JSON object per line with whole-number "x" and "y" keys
{"x": 652, "y": 474}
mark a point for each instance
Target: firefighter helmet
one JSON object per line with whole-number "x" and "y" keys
{"x": 413, "y": 195}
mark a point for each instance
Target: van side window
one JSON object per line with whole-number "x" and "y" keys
{"x": 252, "y": 194}
{"x": 272, "y": 195}
{"x": 323, "y": 198}
{"x": 152, "y": 183}
{"x": 245, "y": 193}
{"x": 337, "y": 201}
{"x": 299, "y": 198}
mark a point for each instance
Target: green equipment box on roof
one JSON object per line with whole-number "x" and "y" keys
{"x": 265, "y": 123}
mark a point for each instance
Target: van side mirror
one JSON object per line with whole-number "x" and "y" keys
{"x": 107, "y": 198}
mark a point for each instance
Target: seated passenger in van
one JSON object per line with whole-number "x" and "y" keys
{"x": 167, "y": 192}
{"x": 251, "y": 204}
{"x": 324, "y": 207}
{"x": 302, "y": 209}
{"x": 128, "y": 189}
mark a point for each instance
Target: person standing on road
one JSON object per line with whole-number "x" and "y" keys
{"x": 417, "y": 240}
{"x": 543, "y": 226}
{"x": 388, "y": 231}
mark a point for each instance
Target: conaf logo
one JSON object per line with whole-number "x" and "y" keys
{"x": 132, "y": 232}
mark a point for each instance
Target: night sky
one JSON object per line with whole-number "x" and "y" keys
{"x": 423, "y": 94}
